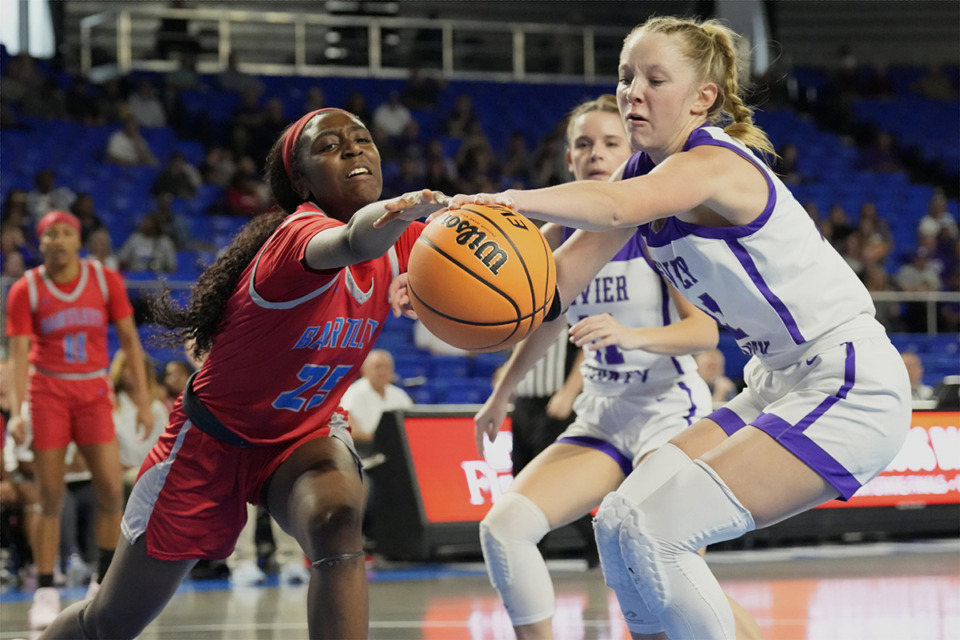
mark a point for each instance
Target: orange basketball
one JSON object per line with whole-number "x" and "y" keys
{"x": 482, "y": 277}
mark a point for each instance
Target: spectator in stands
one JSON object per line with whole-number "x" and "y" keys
{"x": 146, "y": 107}
{"x": 172, "y": 223}
{"x": 244, "y": 197}
{"x": 357, "y": 104}
{"x": 33, "y": 92}
{"x": 148, "y": 249}
{"x": 876, "y": 279}
{"x": 917, "y": 276}
{"x": 184, "y": 78}
{"x": 937, "y": 220}
{"x": 877, "y": 83}
{"x": 247, "y": 116}
{"x": 14, "y": 266}
{"x": 460, "y": 118}
{"x": 15, "y": 210}
{"x": 134, "y": 447}
{"x": 237, "y": 81}
{"x": 14, "y": 240}
{"x": 175, "y": 376}
{"x": 81, "y": 102}
{"x": 881, "y": 156}
{"x": 83, "y": 207}
{"x": 420, "y": 91}
{"x": 871, "y": 225}
{"x": 439, "y": 177}
{"x": 315, "y": 100}
{"x": 390, "y": 118}
{"x": 839, "y": 226}
{"x": 918, "y": 390}
{"x": 787, "y": 164}
{"x": 935, "y": 84}
{"x": 179, "y": 178}
{"x": 712, "y": 367}
{"x": 46, "y": 196}
{"x": 127, "y": 146}
{"x": 272, "y": 125}
{"x": 516, "y": 162}
{"x": 406, "y": 179}
{"x": 218, "y": 166}
{"x": 948, "y": 313}
{"x": 99, "y": 246}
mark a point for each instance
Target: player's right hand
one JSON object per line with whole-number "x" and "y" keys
{"x": 488, "y": 421}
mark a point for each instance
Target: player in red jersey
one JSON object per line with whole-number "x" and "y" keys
{"x": 57, "y": 318}
{"x": 286, "y": 317}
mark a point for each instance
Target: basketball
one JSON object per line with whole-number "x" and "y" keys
{"x": 481, "y": 278}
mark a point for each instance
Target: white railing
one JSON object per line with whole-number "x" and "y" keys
{"x": 468, "y": 49}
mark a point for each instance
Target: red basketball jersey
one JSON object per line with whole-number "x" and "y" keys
{"x": 67, "y": 324}
{"x": 293, "y": 339}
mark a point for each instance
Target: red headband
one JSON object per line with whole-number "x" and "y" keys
{"x": 57, "y": 216}
{"x": 291, "y": 136}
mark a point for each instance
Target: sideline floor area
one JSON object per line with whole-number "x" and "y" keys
{"x": 883, "y": 591}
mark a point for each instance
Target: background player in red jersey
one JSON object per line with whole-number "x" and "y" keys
{"x": 57, "y": 325}
{"x": 286, "y": 316}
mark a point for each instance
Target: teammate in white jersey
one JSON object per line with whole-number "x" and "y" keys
{"x": 827, "y": 402}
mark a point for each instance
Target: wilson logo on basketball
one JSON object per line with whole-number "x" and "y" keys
{"x": 487, "y": 251}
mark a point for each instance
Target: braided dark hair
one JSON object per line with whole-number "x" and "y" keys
{"x": 201, "y": 317}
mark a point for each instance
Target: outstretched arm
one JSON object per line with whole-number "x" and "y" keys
{"x": 360, "y": 240}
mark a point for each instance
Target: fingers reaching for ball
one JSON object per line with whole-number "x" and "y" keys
{"x": 461, "y": 199}
{"x": 398, "y": 294}
{"x": 413, "y": 206}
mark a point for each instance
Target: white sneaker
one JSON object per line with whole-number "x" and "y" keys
{"x": 247, "y": 573}
{"x": 294, "y": 573}
{"x": 45, "y": 607}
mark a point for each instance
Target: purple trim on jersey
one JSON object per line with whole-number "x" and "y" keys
{"x": 674, "y": 229}
{"x": 625, "y": 463}
{"x": 729, "y": 421}
{"x": 792, "y": 436}
{"x": 693, "y": 405}
{"x": 632, "y": 249}
{"x": 743, "y": 257}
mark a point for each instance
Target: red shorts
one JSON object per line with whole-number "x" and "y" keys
{"x": 191, "y": 497}
{"x": 64, "y": 410}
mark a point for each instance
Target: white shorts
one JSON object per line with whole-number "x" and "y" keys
{"x": 637, "y": 421}
{"x": 845, "y": 412}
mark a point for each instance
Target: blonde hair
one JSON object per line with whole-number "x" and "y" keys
{"x": 720, "y": 56}
{"x": 606, "y": 102}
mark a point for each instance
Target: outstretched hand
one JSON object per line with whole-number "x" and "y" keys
{"x": 413, "y": 206}
{"x": 488, "y": 421}
{"x": 461, "y": 199}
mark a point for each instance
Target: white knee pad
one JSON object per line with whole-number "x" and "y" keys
{"x": 659, "y": 542}
{"x": 612, "y": 512}
{"x": 653, "y": 472}
{"x": 509, "y": 535}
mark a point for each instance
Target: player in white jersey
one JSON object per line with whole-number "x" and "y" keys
{"x": 640, "y": 388}
{"x": 827, "y": 402}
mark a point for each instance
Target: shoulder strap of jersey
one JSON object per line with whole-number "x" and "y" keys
{"x": 101, "y": 278}
{"x": 32, "y": 292}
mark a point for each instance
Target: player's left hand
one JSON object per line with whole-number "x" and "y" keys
{"x": 144, "y": 422}
{"x": 398, "y": 295}
{"x": 413, "y": 206}
{"x": 601, "y": 331}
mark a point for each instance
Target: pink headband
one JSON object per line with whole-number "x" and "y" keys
{"x": 291, "y": 136}
{"x": 57, "y": 216}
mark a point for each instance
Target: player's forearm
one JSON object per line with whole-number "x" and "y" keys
{"x": 525, "y": 356}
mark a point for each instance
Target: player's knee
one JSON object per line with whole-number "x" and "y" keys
{"x": 515, "y": 524}
{"x": 333, "y": 527}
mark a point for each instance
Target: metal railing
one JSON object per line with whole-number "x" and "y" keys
{"x": 361, "y": 46}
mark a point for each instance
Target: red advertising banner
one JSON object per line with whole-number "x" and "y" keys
{"x": 457, "y": 484}
{"x": 925, "y": 470}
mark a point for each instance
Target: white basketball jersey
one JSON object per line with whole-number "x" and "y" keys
{"x": 776, "y": 284}
{"x": 630, "y": 290}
